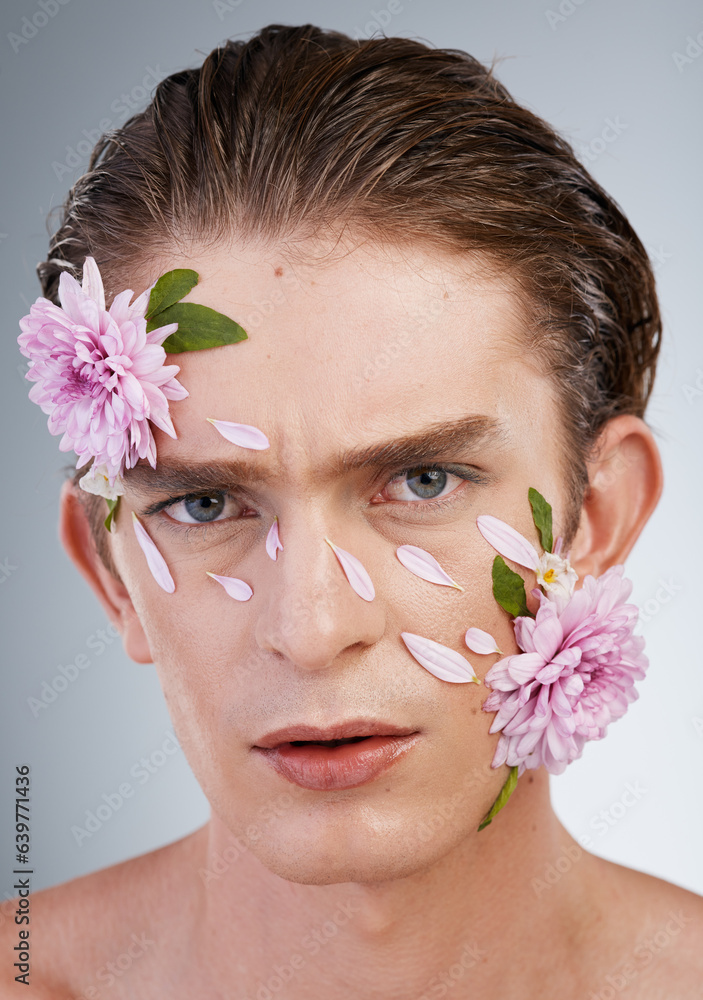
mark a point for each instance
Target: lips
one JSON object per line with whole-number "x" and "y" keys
{"x": 343, "y": 731}
{"x": 341, "y": 756}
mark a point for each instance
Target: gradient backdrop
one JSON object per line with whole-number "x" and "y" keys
{"x": 623, "y": 82}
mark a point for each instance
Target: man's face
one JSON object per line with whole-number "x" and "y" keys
{"x": 365, "y": 349}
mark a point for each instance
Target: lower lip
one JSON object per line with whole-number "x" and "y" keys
{"x": 344, "y": 766}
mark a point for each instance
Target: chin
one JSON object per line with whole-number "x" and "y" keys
{"x": 369, "y": 848}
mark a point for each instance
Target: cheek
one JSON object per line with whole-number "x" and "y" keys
{"x": 197, "y": 638}
{"x": 444, "y": 614}
{"x": 203, "y": 660}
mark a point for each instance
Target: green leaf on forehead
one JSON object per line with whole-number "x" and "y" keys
{"x": 505, "y": 793}
{"x": 169, "y": 289}
{"x": 112, "y": 510}
{"x": 199, "y": 327}
{"x": 509, "y": 589}
{"x": 542, "y": 516}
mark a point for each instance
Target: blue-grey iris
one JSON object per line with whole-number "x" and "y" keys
{"x": 426, "y": 481}
{"x": 205, "y": 508}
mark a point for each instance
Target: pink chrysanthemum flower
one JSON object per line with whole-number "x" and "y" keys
{"x": 575, "y": 676}
{"x": 98, "y": 374}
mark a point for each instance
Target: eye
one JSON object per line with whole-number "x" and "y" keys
{"x": 203, "y": 509}
{"x": 427, "y": 482}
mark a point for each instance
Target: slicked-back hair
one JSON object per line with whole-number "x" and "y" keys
{"x": 300, "y": 131}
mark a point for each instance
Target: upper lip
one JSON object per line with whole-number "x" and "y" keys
{"x": 338, "y": 731}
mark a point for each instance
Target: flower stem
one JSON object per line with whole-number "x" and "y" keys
{"x": 505, "y": 793}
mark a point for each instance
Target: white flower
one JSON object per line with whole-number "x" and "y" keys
{"x": 96, "y": 481}
{"x": 556, "y": 575}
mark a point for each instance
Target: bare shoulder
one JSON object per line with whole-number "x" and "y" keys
{"x": 87, "y": 934}
{"x": 661, "y": 945}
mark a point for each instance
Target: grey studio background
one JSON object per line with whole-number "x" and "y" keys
{"x": 623, "y": 81}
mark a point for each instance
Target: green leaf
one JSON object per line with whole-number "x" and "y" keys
{"x": 505, "y": 793}
{"x": 112, "y": 508}
{"x": 198, "y": 327}
{"x": 509, "y": 589}
{"x": 542, "y": 516}
{"x": 169, "y": 289}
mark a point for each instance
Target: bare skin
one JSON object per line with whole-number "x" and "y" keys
{"x": 385, "y": 890}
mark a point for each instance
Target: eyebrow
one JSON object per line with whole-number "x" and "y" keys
{"x": 409, "y": 450}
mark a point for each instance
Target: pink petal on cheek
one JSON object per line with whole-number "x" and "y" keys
{"x": 424, "y": 565}
{"x": 442, "y": 662}
{"x": 273, "y": 542}
{"x": 480, "y": 642}
{"x": 354, "y": 572}
{"x": 237, "y": 589}
{"x": 245, "y": 435}
{"x": 507, "y": 541}
{"x": 155, "y": 561}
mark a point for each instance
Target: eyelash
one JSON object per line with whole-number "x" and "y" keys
{"x": 439, "y": 504}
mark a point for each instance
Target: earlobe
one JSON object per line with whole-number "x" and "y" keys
{"x": 625, "y": 484}
{"x": 77, "y": 539}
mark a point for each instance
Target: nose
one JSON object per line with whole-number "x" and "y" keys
{"x": 311, "y": 613}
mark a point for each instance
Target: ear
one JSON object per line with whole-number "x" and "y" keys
{"x": 625, "y": 484}
{"x": 77, "y": 539}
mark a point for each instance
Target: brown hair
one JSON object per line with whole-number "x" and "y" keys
{"x": 300, "y": 129}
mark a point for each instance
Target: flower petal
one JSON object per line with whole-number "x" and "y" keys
{"x": 70, "y": 297}
{"x": 572, "y": 685}
{"x": 273, "y": 543}
{"x": 441, "y": 661}
{"x": 245, "y": 435}
{"x": 155, "y": 561}
{"x": 549, "y": 636}
{"x": 355, "y": 572}
{"x": 237, "y": 589}
{"x": 159, "y": 334}
{"x": 559, "y": 702}
{"x": 557, "y": 744}
{"x": 92, "y": 283}
{"x": 480, "y": 642}
{"x": 140, "y": 304}
{"x": 119, "y": 310}
{"x": 424, "y": 565}
{"x": 501, "y": 754}
{"x": 507, "y": 541}
{"x": 499, "y": 678}
{"x": 527, "y": 742}
{"x": 522, "y": 667}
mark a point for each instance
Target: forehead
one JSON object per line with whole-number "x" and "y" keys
{"x": 352, "y": 346}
